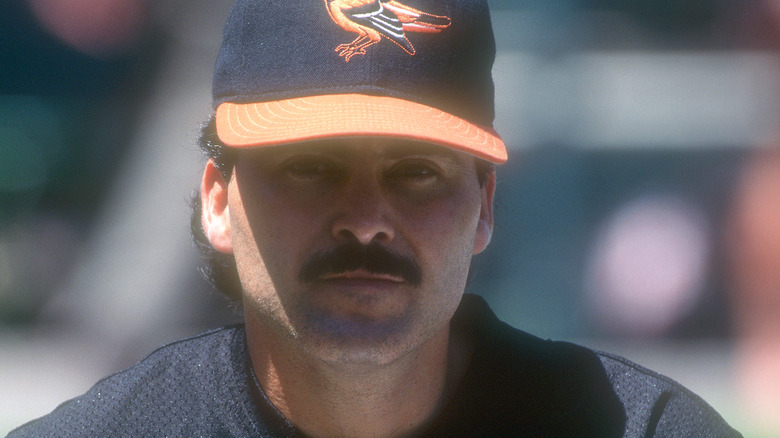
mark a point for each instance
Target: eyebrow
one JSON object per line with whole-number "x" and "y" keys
{"x": 394, "y": 149}
{"x": 402, "y": 148}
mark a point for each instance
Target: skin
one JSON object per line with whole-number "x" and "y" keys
{"x": 352, "y": 353}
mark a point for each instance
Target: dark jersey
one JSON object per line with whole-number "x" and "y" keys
{"x": 516, "y": 385}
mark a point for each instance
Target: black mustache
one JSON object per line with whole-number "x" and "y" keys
{"x": 353, "y": 256}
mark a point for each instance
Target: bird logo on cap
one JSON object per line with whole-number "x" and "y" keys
{"x": 373, "y": 19}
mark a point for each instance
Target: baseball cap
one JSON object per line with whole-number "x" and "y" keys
{"x": 299, "y": 70}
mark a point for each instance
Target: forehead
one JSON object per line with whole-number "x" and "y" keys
{"x": 377, "y": 148}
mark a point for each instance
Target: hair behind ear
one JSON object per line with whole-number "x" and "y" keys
{"x": 218, "y": 268}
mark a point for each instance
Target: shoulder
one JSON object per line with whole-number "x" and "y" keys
{"x": 180, "y": 389}
{"x": 574, "y": 388}
{"x": 520, "y": 385}
{"x": 656, "y": 403}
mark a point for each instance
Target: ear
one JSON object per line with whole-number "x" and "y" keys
{"x": 216, "y": 214}
{"x": 485, "y": 224}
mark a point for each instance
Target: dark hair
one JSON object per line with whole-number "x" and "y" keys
{"x": 219, "y": 268}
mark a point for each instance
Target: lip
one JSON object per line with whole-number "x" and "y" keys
{"x": 361, "y": 276}
{"x": 361, "y": 282}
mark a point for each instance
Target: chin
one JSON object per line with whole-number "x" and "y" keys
{"x": 357, "y": 341}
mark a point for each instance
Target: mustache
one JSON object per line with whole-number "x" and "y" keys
{"x": 353, "y": 256}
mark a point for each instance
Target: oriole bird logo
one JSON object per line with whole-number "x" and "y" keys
{"x": 373, "y": 19}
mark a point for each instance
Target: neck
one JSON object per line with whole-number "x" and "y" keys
{"x": 325, "y": 399}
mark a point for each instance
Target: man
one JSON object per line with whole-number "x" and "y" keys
{"x": 350, "y": 182}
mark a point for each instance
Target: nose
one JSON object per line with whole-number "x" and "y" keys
{"x": 363, "y": 214}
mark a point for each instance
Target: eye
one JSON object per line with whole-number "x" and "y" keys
{"x": 309, "y": 168}
{"x": 415, "y": 171}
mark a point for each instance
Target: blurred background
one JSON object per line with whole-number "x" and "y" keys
{"x": 639, "y": 212}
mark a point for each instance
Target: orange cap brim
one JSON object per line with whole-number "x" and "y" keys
{"x": 242, "y": 125}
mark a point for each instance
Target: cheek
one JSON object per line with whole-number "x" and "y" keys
{"x": 445, "y": 230}
{"x": 251, "y": 268}
{"x": 257, "y": 231}
{"x": 451, "y": 218}
{"x": 270, "y": 236}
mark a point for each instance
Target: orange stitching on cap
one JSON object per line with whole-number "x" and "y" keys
{"x": 389, "y": 19}
{"x": 261, "y": 124}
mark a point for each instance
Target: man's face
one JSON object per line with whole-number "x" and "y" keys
{"x": 355, "y": 250}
